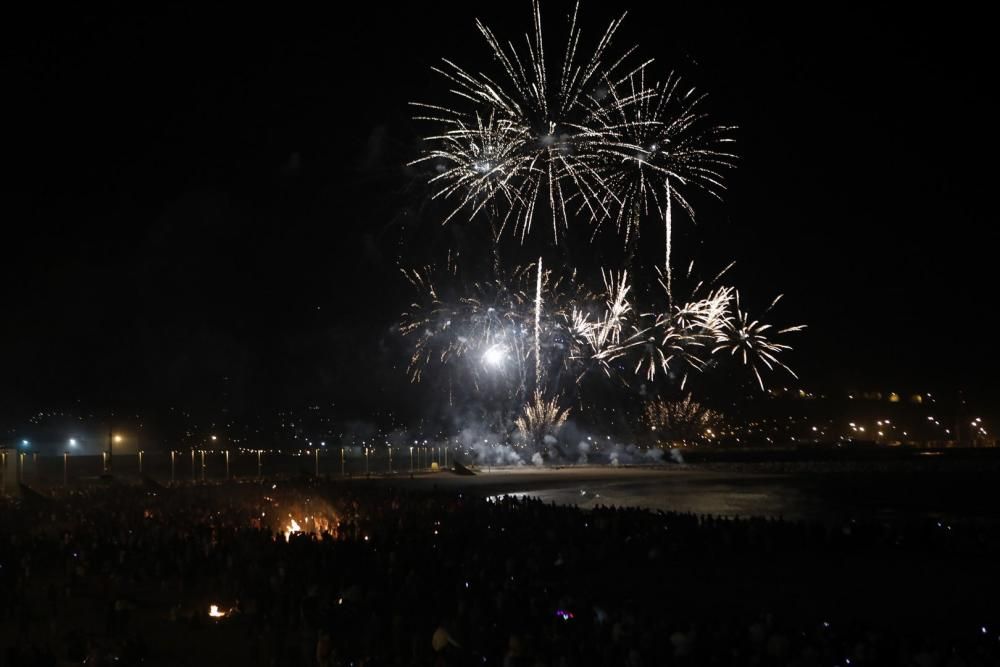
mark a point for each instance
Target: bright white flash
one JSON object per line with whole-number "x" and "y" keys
{"x": 494, "y": 356}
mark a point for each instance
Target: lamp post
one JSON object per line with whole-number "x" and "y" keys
{"x": 173, "y": 465}
{"x": 112, "y": 438}
{"x": 411, "y": 459}
{"x": 214, "y": 439}
{"x": 19, "y": 462}
{"x": 71, "y": 443}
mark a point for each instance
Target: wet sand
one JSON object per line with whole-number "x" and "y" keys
{"x": 881, "y": 493}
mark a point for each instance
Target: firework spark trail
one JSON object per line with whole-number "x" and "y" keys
{"x": 668, "y": 234}
{"x": 419, "y": 317}
{"x": 606, "y": 330}
{"x": 538, "y": 327}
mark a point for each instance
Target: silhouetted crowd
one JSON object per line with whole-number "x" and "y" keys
{"x": 127, "y": 575}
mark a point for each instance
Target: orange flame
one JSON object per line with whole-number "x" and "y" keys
{"x": 292, "y": 527}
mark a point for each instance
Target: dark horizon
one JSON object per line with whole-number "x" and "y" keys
{"x": 210, "y": 209}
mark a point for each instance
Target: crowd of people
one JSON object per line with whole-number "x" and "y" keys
{"x": 377, "y": 575}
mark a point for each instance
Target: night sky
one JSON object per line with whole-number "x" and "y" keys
{"x": 206, "y": 208}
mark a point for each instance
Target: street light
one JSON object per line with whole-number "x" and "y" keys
{"x": 112, "y": 438}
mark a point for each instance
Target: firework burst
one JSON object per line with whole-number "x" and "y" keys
{"x": 583, "y": 136}
{"x": 599, "y": 329}
{"x": 535, "y": 324}
{"x": 655, "y": 145}
{"x": 685, "y": 420}
{"x": 531, "y": 153}
{"x": 487, "y": 325}
{"x": 748, "y": 339}
{"x": 478, "y": 167}
{"x": 675, "y": 340}
{"x": 590, "y": 138}
{"x": 540, "y": 417}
